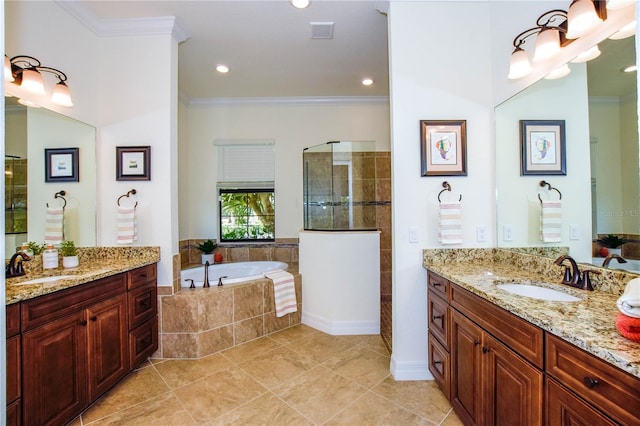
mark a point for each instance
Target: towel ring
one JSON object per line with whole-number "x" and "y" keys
{"x": 60, "y": 194}
{"x": 446, "y": 187}
{"x": 128, "y": 194}
{"x": 549, "y": 188}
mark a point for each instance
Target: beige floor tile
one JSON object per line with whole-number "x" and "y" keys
{"x": 139, "y": 386}
{"x": 179, "y": 372}
{"x": 320, "y": 346}
{"x": 278, "y": 366}
{"x": 375, "y": 343}
{"x": 452, "y": 420}
{"x": 319, "y": 394}
{"x": 164, "y": 410}
{"x": 267, "y": 409}
{"x": 218, "y": 394}
{"x": 292, "y": 334}
{"x": 372, "y": 409}
{"x": 421, "y": 397}
{"x": 360, "y": 364}
{"x": 250, "y": 350}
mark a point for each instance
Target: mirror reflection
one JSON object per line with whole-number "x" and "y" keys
{"x": 600, "y": 189}
{"x": 28, "y": 131}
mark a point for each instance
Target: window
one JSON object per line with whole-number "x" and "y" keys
{"x": 247, "y": 214}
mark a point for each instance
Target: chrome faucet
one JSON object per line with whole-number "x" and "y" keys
{"x": 573, "y": 277}
{"x": 206, "y": 275}
{"x": 608, "y": 259}
{"x": 15, "y": 267}
{"x": 220, "y": 280}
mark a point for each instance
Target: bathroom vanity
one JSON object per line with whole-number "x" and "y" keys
{"x": 507, "y": 359}
{"x": 67, "y": 347}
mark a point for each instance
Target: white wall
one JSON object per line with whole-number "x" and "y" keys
{"x": 293, "y": 125}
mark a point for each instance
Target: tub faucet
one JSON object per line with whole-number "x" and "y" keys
{"x": 206, "y": 275}
{"x": 608, "y": 259}
{"x": 220, "y": 280}
{"x": 571, "y": 277}
{"x": 15, "y": 267}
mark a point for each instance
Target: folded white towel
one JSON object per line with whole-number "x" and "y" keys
{"x": 127, "y": 225}
{"x": 54, "y": 225}
{"x": 450, "y": 226}
{"x": 629, "y": 302}
{"x": 551, "y": 222}
{"x": 284, "y": 292}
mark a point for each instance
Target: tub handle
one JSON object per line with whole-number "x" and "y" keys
{"x": 220, "y": 280}
{"x": 192, "y": 284}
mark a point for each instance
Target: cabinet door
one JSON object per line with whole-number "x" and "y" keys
{"x": 563, "y": 408}
{"x": 54, "y": 371}
{"x": 13, "y": 369}
{"x": 438, "y": 319}
{"x": 466, "y": 368}
{"x": 511, "y": 386}
{"x": 108, "y": 344}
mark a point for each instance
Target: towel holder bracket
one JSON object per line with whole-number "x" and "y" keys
{"x": 60, "y": 194}
{"x": 128, "y": 194}
{"x": 447, "y": 187}
{"x": 544, "y": 183}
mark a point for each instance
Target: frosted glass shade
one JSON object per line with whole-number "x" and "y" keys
{"x": 581, "y": 18}
{"x": 618, "y": 4}
{"x": 558, "y": 73}
{"x": 587, "y": 55}
{"x": 8, "y": 76}
{"x": 32, "y": 81}
{"x": 624, "y": 32}
{"x": 61, "y": 95}
{"x": 547, "y": 45}
{"x": 519, "y": 65}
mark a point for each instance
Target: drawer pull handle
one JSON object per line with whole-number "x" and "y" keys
{"x": 83, "y": 322}
{"x": 437, "y": 362}
{"x": 590, "y": 382}
{"x": 476, "y": 343}
{"x": 146, "y": 303}
{"x": 485, "y": 349}
{"x": 436, "y": 284}
{"x": 94, "y": 318}
{"x": 438, "y": 317}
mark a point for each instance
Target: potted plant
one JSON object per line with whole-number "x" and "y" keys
{"x": 69, "y": 254}
{"x": 612, "y": 243}
{"x": 207, "y": 247}
{"x": 36, "y": 248}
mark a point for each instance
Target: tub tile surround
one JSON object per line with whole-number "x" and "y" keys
{"x": 282, "y": 250}
{"x": 588, "y": 323}
{"x": 195, "y": 323}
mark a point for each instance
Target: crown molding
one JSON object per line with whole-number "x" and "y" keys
{"x": 298, "y": 100}
{"x": 125, "y": 27}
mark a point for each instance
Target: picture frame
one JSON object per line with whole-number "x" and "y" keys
{"x": 133, "y": 163}
{"x": 543, "y": 147}
{"x": 61, "y": 165}
{"x": 443, "y": 147}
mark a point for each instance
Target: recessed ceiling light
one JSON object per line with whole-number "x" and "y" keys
{"x": 300, "y": 4}
{"x": 630, "y": 68}
{"x": 367, "y": 82}
{"x": 222, "y": 68}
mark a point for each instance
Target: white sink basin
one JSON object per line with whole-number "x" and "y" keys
{"x": 47, "y": 279}
{"x": 536, "y": 292}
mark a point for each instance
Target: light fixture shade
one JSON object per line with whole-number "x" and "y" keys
{"x": 519, "y": 65}
{"x": 32, "y": 81}
{"x": 558, "y": 73}
{"x": 587, "y": 55}
{"x": 8, "y": 75}
{"x": 581, "y": 18}
{"x": 61, "y": 95}
{"x": 624, "y": 32}
{"x": 618, "y": 4}
{"x": 547, "y": 44}
{"x": 300, "y": 4}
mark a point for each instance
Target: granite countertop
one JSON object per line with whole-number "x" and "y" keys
{"x": 94, "y": 264}
{"x": 588, "y": 323}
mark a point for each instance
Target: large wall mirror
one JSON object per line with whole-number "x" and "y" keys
{"x": 28, "y": 132}
{"x": 600, "y": 191}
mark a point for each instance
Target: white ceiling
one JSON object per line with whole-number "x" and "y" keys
{"x": 268, "y": 47}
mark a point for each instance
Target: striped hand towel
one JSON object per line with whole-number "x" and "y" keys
{"x": 284, "y": 292}
{"x": 450, "y": 226}
{"x": 54, "y": 225}
{"x": 551, "y": 222}
{"x": 127, "y": 225}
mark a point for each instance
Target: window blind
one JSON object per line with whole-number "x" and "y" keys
{"x": 245, "y": 163}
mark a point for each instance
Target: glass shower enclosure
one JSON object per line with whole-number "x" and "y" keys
{"x": 339, "y": 186}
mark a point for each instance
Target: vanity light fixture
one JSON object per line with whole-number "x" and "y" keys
{"x": 587, "y": 55}
{"x": 582, "y": 18}
{"x": 25, "y": 71}
{"x": 624, "y": 32}
{"x": 558, "y": 73}
{"x": 619, "y": 4}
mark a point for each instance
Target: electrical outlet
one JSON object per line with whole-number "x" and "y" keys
{"x": 574, "y": 232}
{"x": 414, "y": 234}
{"x": 481, "y": 233}
{"x": 507, "y": 232}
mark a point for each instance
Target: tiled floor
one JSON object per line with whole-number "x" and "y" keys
{"x": 298, "y": 376}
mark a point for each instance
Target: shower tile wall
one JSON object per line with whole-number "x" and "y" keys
{"x": 383, "y": 219}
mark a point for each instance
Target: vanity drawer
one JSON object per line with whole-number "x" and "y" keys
{"x": 439, "y": 365}
{"x": 13, "y": 319}
{"x": 438, "y": 319}
{"x": 615, "y": 392}
{"x": 141, "y": 276}
{"x": 143, "y": 304}
{"x": 439, "y": 285}
{"x": 523, "y": 337}
{"x": 143, "y": 342}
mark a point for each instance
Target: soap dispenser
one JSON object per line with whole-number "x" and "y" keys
{"x": 50, "y": 257}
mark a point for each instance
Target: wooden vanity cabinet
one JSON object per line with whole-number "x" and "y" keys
{"x": 13, "y": 382}
{"x": 438, "y": 340}
{"x": 142, "y": 299}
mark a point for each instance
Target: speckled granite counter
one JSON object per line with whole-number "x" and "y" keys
{"x": 588, "y": 323}
{"x": 95, "y": 263}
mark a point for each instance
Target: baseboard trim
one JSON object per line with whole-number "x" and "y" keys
{"x": 338, "y": 328}
{"x": 410, "y": 370}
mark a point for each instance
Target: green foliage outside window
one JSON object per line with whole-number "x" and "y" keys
{"x": 247, "y": 215}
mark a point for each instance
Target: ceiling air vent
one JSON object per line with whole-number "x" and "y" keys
{"x": 321, "y": 29}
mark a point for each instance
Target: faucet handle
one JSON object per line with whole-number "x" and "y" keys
{"x": 567, "y": 275}
{"x": 586, "y": 278}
